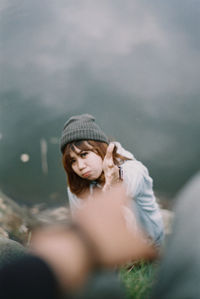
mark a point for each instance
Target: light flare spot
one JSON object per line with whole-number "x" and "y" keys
{"x": 24, "y": 158}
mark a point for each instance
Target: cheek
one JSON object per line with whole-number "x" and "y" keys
{"x": 99, "y": 164}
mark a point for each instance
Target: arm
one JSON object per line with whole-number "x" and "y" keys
{"x": 140, "y": 189}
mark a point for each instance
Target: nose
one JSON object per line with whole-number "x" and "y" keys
{"x": 80, "y": 163}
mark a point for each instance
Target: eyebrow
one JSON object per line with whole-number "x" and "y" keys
{"x": 77, "y": 153}
{"x": 75, "y": 149}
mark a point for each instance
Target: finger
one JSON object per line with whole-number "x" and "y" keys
{"x": 110, "y": 164}
{"x": 109, "y": 151}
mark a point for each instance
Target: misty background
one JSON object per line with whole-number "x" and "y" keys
{"x": 134, "y": 65}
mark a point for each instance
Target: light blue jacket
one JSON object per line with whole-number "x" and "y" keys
{"x": 139, "y": 186}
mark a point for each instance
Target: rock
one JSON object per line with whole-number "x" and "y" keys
{"x": 53, "y": 215}
{"x": 9, "y": 251}
{"x": 14, "y": 220}
{"x": 17, "y": 222}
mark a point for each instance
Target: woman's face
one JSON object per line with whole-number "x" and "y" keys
{"x": 86, "y": 164}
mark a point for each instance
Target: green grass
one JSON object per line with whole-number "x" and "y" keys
{"x": 139, "y": 280}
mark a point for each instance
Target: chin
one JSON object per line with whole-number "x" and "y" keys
{"x": 92, "y": 178}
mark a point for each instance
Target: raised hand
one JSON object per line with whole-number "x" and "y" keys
{"x": 104, "y": 222}
{"x": 111, "y": 171}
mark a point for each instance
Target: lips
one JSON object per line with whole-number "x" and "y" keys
{"x": 86, "y": 174}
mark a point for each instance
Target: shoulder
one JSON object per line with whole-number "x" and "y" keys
{"x": 134, "y": 167}
{"x": 133, "y": 164}
{"x": 134, "y": 172}
{"x": 122, "y": 151}
{"x": 136, "y": 177}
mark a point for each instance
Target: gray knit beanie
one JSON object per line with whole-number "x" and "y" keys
{"x": 81, "y": 127}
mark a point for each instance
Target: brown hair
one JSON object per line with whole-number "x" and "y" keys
{"x": 77, "y": 184}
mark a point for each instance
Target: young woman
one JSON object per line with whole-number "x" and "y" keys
{"x": 92, "y": 162}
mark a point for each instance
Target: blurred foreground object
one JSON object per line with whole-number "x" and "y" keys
{"x": 102, "y": 239}
{"x": 179, "y": 273}
{"x": 167, "y": 217}
{"x": 10, "y": 251}
{"x": 104, "y": 220}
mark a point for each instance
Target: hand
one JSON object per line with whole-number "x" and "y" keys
{"x": 111, "y": 171}
{"x": 64, "y": 252}
{"x": 104, "y": 222}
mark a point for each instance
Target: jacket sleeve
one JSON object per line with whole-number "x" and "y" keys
{"x": 133, "y": 175}
{"x": 74, "y": 201}
{"x": 140, "y": 188}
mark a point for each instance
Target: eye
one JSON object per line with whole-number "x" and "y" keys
{"x": 73, "y": 161}
{"x": 83, "y": 154}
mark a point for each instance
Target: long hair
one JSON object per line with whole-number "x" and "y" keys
{"x": 77, "y": 184}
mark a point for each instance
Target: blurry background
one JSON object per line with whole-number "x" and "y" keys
{"x": 134, "y": 65}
